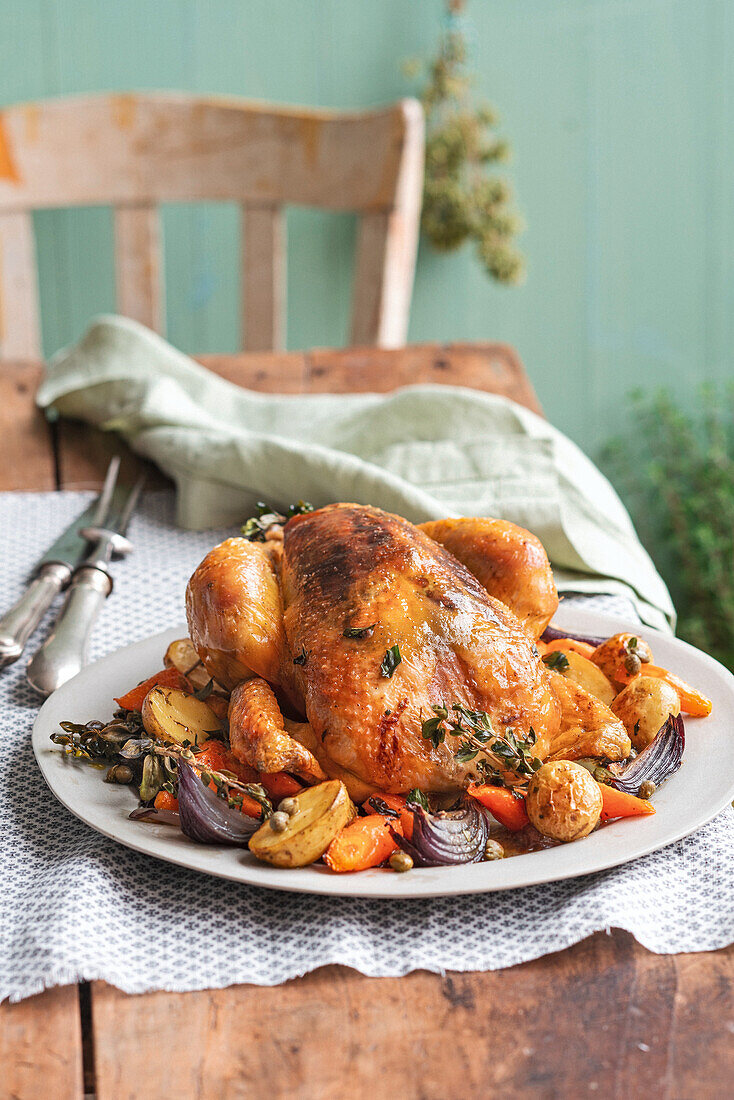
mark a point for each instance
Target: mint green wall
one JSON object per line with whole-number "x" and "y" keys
{"x": 620, "y": 112}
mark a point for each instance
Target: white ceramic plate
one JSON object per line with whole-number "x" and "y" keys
{"x": 696, "y": 793}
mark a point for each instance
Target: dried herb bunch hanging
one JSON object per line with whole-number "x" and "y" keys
{"x": 463, "y": 198}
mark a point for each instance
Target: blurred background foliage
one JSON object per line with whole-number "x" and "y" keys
{"x": 675, "y": 471}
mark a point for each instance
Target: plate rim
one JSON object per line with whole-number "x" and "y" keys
{"x": 377, "y": 884}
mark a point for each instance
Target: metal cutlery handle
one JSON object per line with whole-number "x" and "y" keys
{"x": 17, "y": 624}
{"x": 64, "y": 653}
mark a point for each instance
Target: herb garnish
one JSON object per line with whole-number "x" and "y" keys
{"x": 358, "y": 631}
{"x": 390, "y": 661}
{"x": 382, "y": 807}
{"x": 302, "y": 656}
{"x": 501, "y": 755}
{"x": 556, "y": 660}
{"x": 417, "y": 797}
{"x": 256, "y": 527}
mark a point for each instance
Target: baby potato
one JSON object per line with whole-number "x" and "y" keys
{"x": 182, "y": 655}
{"x": 644, "y": 706}
{"x": 588, "y": 675}
{"x": 621, "y": 650}
{"x": 318, "y": 814}
{"x": 563, "y": 801}
{"x": 174, "y": 716}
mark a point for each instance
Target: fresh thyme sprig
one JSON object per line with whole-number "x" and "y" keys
{"x": 507, "y": 758}
{"x": 257, "y": 526}
{"x": 228, "y": 786}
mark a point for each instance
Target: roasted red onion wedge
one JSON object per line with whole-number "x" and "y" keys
{"x": 155, "y": 817}
{"x": 207, "y": 818}
{"x": 552, "y": 634}
{"x": 440, "y": 839}
{"x": 656, "y": 763}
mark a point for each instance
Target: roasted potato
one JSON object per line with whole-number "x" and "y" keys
{"x": 585, "y": 673}
{"x": 175, "y": 716}
{"x": 319, "y": 813}
{"x": 644, "y": 706}
{"x": 182, "y": 655}
{"x": 621, "y": 650}
{"x": 563, "y": 801}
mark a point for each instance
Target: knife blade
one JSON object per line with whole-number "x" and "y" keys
{"x": 64, "y": 653}
{"x": 53, "y": 571}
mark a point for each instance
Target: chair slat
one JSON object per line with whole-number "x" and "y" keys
{"x": 263, "y": 278}
{"x": 139, "y": 265}
{"x": 19, "y": 327}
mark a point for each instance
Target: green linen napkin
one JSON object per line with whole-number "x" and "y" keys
{"x": 422, "y": 451}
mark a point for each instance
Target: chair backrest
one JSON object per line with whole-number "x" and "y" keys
{"x": 135, "y": 151}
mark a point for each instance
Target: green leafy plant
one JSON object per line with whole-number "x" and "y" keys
{"x": 463, "y": 199}
{"x": 675, "y": 471}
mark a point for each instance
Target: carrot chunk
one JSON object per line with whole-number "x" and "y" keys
{"x": 507, "y": 807}
{"x": 216, "y": 757}
{"x": 279, "y": 785}
{"x": 167, "y": 677}
{"x": 620, "y": 804}
{"x": 164, "y": 800}
{"x": 366, "y": 842}
{"x": 396, "y": 802}
{"x": 692, "y": 701}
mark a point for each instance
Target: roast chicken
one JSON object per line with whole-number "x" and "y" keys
{"x": 341, "y": 632}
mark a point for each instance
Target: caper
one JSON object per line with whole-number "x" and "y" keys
{"x": 278, "y": 821}
{"x": 400, "y": 861}
{"x": 633, "y": 664}
{"x": 119, "y": 773}
{"x": 493, "y": 850}
{"x": 288, "y": 806}
{"x": 647, "y": 789}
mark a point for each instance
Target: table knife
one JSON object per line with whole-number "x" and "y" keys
{"x": 51, "y": 575}
{"x": 64, "y": 653}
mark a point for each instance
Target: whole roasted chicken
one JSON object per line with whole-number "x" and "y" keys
{"x": 347, "y": 634}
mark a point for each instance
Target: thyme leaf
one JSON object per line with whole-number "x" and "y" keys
{"x": 358, "y": 631}
{"x": 556, "y": 660}
{"x": 256, "y": 527}
{"x": 390, "y": 661}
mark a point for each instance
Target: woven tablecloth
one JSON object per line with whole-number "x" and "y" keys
{"x": 77, "y": 906}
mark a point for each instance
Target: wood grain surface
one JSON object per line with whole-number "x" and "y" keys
{"x": 603, "y": 1019}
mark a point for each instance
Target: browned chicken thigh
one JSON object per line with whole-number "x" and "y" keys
{"x": 362, "y": 623}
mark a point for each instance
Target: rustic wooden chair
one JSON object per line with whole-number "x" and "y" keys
{"x": 133, "y": 152}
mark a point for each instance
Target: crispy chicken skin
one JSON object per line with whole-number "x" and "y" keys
{"x": 507, "y": 560}
{"x": 349, "y": 583}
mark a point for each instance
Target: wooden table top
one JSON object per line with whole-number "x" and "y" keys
{"x": 604, "y": 1018}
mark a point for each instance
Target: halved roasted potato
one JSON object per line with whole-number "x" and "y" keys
{"x": 320, "y": 813}
{"x": 182, "y": 655}
{"x": 588, "y": 675}
{"x": 175, "y": 716}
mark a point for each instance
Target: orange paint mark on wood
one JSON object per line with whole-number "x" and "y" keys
{"x": 32, "y": 116}
{"x": 310, "y": 133}
{"x": 123, "y": 110}
{"x": 8, "y": 170}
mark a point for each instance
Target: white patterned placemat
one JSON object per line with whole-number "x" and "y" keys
{"x": 76, "y": 906}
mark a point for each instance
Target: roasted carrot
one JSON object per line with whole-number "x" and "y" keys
{"x": 620, "y": 804}
{"x": 692, "y": 701}
{"x": 567, "y": 643}
{"x": 366, "y": 842}
{"x": 167, "y": 677}
{"x": 279, "y": 785}
{"x": 395, "y": 802}
{"x": 508, "y": 808}
{"x": 216, "y": 757}
{"x": 164, "y": 800}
